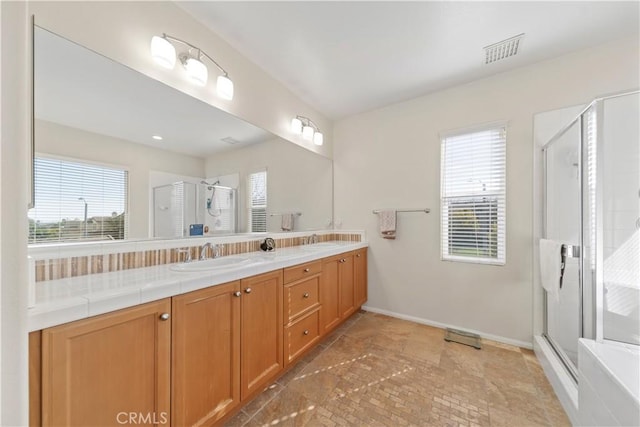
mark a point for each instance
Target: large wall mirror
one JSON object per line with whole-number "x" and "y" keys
{"x": 119, "y": 155}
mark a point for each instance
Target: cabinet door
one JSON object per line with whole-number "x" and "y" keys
{"x": 360, "y": 258}
{"x": 347, "y": 294}
{"x": 109, "y": 369}
{"x": 262, "y": 348}
{"x": 329, "y": 295}
{"x": 206, "y": 355}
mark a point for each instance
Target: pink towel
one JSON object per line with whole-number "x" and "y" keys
{"x": 387, "y": 223}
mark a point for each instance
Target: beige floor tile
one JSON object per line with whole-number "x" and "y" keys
{"x": 379, "y": 371}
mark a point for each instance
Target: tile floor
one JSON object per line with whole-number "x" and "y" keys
{"x": 379, "y": 371}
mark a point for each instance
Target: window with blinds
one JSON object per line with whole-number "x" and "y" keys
{"x": 473, "y": 195}
{"x": 257, "y": 191}
{"x": 77, "y": 201}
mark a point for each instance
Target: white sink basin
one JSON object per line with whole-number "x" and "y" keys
{"x": 319, "y": 246}
{"x": 210, "y": 264}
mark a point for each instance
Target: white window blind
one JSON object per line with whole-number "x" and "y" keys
{"x": 77, "y": 201}
{"x": 257, "y": 183}
{"x": 473, "y": 195}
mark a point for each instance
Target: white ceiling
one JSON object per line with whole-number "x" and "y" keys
{"x": 348, "y": 57}
{"x": 77, "y": 87}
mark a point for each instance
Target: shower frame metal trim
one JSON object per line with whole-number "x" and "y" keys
{"x": 597, "y": 281}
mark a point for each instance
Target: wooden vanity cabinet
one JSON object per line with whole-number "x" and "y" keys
{"x": 261, "y": 331}
{"x": 192, "y": 359}
{"x": 360, "y": 276}
{"x": 101, "y": 370}
{"x": 343, "y": 287}
{"x": 301, "y": 309}
{"x": 227, "y": 346}
{"x": 206, "y": 355}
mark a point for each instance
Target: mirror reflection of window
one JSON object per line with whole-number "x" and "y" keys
{"x": 257, "y": 191}
{"x": 77, "y": 201}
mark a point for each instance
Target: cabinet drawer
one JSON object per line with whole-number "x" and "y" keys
{"x": 301, "y": 297}
{"x": 301, "y": 335}
{"x": 291, "y": 274}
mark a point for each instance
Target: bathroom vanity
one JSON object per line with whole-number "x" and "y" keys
{"x": 196, "y": 357}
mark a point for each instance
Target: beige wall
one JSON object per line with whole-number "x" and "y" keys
{"x": 138, "y": 159}
{"x": 122, "y": 31}
{"x": 390, "y": 157}
{"x": 297, "y": 180}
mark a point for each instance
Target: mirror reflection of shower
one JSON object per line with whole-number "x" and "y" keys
{"x": 201, "y": 207}
{"x": 211, "y": 200}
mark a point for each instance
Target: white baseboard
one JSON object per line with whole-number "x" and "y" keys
{"x": 428, "y": 322}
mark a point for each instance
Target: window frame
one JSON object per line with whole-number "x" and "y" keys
{"x": 251, "y": 207}
{"x": 126, "y": 200}
{"x": 500, "y": 198}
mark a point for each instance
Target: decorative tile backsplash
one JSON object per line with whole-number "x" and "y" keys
{"x": 53, "y": 268}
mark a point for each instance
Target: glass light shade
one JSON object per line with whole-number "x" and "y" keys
{"x": 224, "y": 87}
{"x": 307, "y": 133}
{"x": 296, "y": 126}
{"x": 317, "y": 138}
{"x": 163, "y": 52}
{"x": 197, "y": 71}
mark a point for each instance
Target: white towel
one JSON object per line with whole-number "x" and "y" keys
{"x": 287, "y": 222}
{"x": 550, "y": 267}
{"x": 387, "y": 223}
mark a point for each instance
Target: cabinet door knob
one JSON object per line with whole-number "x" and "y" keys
{"x": 237, "y": 293}
{"x": 165, "y": 316}
{"x": 306, "y": 270}
{"x": 306, "y": 332}
{"x": 247, "y": 291}
{"x": 306, "y": 295}
{"x": 358, "y": 255}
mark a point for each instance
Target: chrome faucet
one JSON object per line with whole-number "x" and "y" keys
{"x": 308, "y": 240}
{"x": 214, "y": 248}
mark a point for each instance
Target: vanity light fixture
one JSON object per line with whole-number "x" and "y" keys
{"x": 163, "y": 51}
{"x": 309, "y": 130}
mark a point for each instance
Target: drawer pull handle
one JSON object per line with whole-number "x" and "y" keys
{"x": 306, "y": 332}
{"x": 237, "y": 293}
{"x": 358, "y": 255}
{"x": 306, "y": 295}
{"x": 165, "y": 316}
{"x": 247, "y": 291}
{"x": 306, "y": 270}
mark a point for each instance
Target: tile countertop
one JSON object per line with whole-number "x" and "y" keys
{"x": 66, "y": 300}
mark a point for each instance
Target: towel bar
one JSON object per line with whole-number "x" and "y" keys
{"x": 286, "y": 213}
{"x": 425, "y": 210}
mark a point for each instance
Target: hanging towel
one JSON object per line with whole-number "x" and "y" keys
{"x": 287, "y": 222}
{"x": 551, "y": 267}
{"x": 387, "y": 223}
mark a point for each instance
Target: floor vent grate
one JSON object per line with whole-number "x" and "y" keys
{"x": 462, "y": 337}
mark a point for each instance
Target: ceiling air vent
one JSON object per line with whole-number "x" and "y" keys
{"x": 501, "y": 50}
{"x": 230, "y": 140}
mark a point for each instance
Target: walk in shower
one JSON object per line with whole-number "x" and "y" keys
{"x": 591, "y": 204}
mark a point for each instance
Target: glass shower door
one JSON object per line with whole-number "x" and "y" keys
{"x": 620, "y": 210}
{"x": 563, "y": 223}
